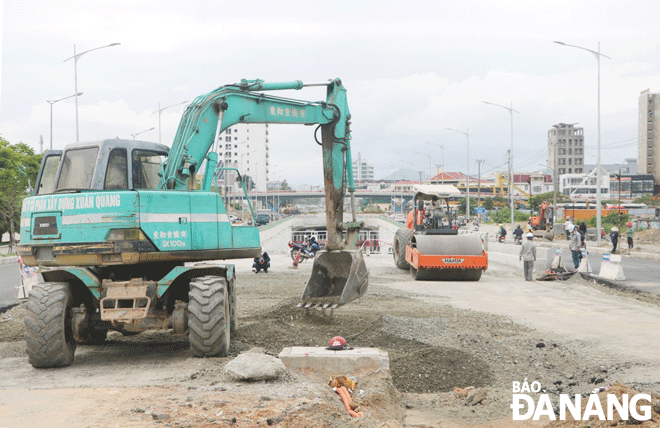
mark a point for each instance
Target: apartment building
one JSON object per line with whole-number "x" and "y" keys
{"x": 244, "y": 146}
{"x": 362, "y": 170}
{"x": 648, "y": 141}
{"x": 566, "y": 148}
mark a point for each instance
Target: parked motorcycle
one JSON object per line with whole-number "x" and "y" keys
{"x": 302, "y": 249}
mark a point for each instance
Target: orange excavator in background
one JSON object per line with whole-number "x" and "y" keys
{"x": 542, "y": 223}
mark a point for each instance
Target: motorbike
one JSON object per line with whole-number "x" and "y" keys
{"x": 302, "y": 249}
{"x": 500, "y": 237}
{"x": 517, "y": 239}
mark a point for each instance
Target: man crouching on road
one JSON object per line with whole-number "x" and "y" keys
{"x": 528, "y": 255}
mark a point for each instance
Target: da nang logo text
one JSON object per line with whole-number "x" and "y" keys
{"x": 526, "y": 407}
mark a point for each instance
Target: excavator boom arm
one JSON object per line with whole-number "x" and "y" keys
{"x": 210, "y": 114}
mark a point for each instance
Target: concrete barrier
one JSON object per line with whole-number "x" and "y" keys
{"x": 508, "y": 254}
{"x": 611, "y": 269}
{"x": 327, "y": 362}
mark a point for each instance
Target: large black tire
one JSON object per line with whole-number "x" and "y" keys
{"x": 48, "y": 328}
{"x": 402, "y": 238}
{"x": 209, "y": 315}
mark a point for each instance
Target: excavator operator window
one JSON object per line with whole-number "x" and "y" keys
{"x": 116, "y": 176}
{"x": 146, "y": 166}
{"x": 78, "y": 168}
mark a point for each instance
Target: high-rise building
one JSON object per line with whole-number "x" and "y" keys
{"x": 362, "y": 170}
{"x": 244, "y": 146}
{"x": 648, "y": 142}
{"x": 566, "y": 148}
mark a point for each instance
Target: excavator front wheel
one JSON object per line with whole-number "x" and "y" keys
{"x": 48, "y": 325}
{"x": 209, "y": 317}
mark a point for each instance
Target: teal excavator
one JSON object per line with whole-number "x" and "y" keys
{"x": 123, "y": 237}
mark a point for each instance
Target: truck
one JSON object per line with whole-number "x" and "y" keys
{"x": 263, "y": 217}
{"x": 126, "y": 241}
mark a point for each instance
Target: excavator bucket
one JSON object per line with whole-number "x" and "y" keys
{"x": 338, "y": 277}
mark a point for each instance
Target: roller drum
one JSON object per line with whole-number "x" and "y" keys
{"x": 448, "y": 245}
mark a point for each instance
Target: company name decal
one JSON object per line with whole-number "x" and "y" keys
{"x": 452, "y": 261}
{"x": 72, "y": 203}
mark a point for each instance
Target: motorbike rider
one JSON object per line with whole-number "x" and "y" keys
{"x": 261, "y": 262}
{"x": 501, "y": 233}
{"x": 312, "y": 245}
{"x": 518, "y": 233}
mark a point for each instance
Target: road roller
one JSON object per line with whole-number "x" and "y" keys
{"x": 430, "y": 246}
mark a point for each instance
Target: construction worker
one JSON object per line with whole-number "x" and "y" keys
{"x": 575, "y": 244}
{"x": 629, "y": 234}
{"x": 528, "y": 256}
{"x": 567, "y": 226}
{"x": 614, "y": 237}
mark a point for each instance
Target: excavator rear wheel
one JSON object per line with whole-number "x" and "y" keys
{"x": 48, "y": 325}
{"x": 209, "y": 317}
{"x": 402, "y": 238}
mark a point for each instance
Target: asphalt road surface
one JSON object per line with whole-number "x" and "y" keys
{"x": 641, "y": 274}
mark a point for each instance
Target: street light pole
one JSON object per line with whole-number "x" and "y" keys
{"x": 597, "y": 54}
{"x": 429, "y": 156}
{"x": 159, "y": 111}
{"x": 51, "y": 114}
{"x": 142, "y": 132}
{"x": 467, "y": 135}
{"x": 442, "y": 160}
{"x": 75, "y": 58}
{"x": 511, "y": 111}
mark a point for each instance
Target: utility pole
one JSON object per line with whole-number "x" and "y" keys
{"x": 618, "y": 176}
{"x": 479, "y": 161}
{"x": 555, "y": 186}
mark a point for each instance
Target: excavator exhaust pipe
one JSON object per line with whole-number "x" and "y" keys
{"x": 338, "y": 277}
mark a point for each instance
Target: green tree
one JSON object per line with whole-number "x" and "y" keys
{"x": 247, "y": 182}
{"x": 488, "y": 203}
{"x": 646, "y": 199}
{"x": 285, "y": 186}
{"x": 463, "y": 205}
{"x": 19, "y": 166}
{"x": 504, "y": 216}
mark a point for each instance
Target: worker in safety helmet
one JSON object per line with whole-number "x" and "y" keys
{"x": 528, "y": 256}
{"x": 575, "y": 244}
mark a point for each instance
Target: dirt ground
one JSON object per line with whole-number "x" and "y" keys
{"x": 151, "y": 379}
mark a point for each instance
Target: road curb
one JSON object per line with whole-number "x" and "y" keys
{"x": 617, "y": 285}
{"x": 8, "y": 260}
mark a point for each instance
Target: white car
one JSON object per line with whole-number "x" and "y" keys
{"x": 400, "y": 218}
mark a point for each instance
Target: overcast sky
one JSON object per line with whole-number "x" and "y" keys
{"x": 411, "y": 68}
